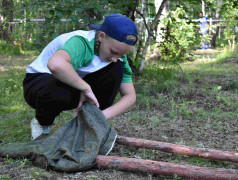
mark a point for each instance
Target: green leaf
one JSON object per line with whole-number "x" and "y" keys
{"x": 136, "y": 64}
{"x": 59, "y": 14}
{"x": 54, "y": 35}
{"x": 79, "y": 10}
{"x": 75, "y": 19}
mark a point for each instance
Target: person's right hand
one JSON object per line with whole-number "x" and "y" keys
{"x": 89, "y": 96}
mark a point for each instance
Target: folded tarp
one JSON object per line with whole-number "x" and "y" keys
{"x": 73, "y": 147}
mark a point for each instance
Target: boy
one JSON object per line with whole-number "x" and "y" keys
{"x": 204, "y": 29}
{"x": 82, "y": 66}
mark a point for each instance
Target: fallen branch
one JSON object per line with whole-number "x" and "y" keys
{"x": 179, "y": 149}
{"x": 164, "y": 168}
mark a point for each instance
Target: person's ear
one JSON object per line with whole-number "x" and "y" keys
{"x": 101, "y": 36}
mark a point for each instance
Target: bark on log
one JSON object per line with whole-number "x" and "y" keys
{"x": 164, "y": 168}
{"x": 179, "y": 149}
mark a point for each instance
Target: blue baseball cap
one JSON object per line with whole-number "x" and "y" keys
{"x": 119, "y": 27}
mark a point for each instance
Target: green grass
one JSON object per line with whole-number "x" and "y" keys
{"x": 15, "y": 114}
{"x": 161, "y": 95}
{"x": 186, "y": 107}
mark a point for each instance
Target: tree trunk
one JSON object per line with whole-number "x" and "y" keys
{"x": 217, "y": 16}
{"x": 144, "y": 52}
{"x": 229, "y": 43}
{"x": 203, "y": 8}
{"x": 164, "y": 168}
{"x": 159, "y": 32}
{"x": 151, "y": 30}
{"x": 214, "y": 37}
{"x": 140, "y": 29}
{"x": 7, "y": 12}
{"x": 179, "y": 149}
{"x": 233, "y": 43}
{"x": 131, "y": 10}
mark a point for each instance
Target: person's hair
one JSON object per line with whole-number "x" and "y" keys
{"x": 97, "y": 42}
{"x": 201, "y": 12}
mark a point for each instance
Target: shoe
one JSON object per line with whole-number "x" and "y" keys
{"x": 37, "y": 129}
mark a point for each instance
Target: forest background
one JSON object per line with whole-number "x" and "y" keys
{"x": 33, "y": 24}
{"x": 185, "y": 95}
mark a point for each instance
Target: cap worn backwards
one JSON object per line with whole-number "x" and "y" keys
{"x": 120, "y": 28}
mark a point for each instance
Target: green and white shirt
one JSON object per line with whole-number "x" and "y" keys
{"x": 80, "y": 46}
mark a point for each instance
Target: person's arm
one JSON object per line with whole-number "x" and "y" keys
{"x": 208, "y": 25}
{"x": 128, "y": 99}
{"x": 61, "y": 68}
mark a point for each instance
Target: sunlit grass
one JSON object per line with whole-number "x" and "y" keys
{"x": 15, "y": 114}
{"x": 212, "y": 64}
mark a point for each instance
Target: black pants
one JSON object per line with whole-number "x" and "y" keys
{"x": 49, "y": 96}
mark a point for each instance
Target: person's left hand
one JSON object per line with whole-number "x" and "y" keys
{"x": 89, "y": 96}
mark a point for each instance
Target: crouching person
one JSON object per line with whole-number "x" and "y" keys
{"x": 82, "y": 66}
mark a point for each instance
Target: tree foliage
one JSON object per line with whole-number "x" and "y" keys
{"x": 179, "y": 35}
{"x": 63, "y": 16}
{"x": 7, "y": 14}
{"x": 230, "y": 12}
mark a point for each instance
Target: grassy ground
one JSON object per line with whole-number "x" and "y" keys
{"x": 196, "y": 107}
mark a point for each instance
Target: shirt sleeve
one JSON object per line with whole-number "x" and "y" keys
{"x": 207, "y": 20}
{"x": 80, "y": 51}
{"x": 127, "y": 72}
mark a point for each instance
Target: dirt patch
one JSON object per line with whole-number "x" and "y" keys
{"x": 231, "y": 61}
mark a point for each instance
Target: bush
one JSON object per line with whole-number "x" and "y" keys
{"x": 11, "y": 49}
{"x": 178, "y": 37}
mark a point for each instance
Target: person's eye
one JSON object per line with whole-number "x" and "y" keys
{"x": 113, "y": 52}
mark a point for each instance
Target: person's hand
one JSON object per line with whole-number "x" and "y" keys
{"x": 89, "y": 96}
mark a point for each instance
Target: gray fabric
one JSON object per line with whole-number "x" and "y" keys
{"x": 73, "y": 147}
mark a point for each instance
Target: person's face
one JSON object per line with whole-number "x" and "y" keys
{"x": 110, "y": 49}
{"x": 201, "y": 14}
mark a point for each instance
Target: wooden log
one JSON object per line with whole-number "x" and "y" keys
{"x": 179, "y": 149}
{"x": 164, "y": 168}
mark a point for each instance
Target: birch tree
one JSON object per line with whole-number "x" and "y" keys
{"x": 150, "y": 30}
